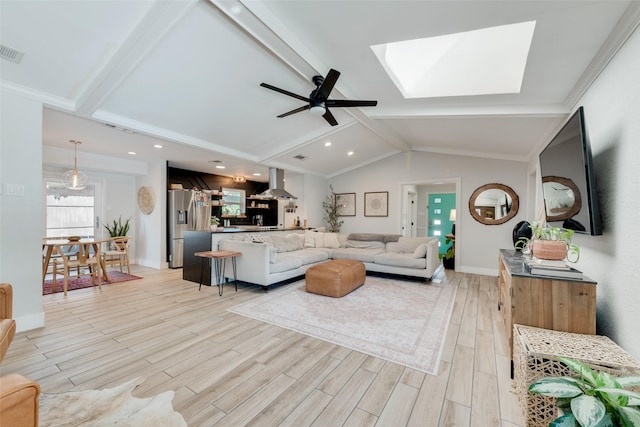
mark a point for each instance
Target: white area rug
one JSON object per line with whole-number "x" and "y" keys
{"x": 108, "y": 407}
{"x": 399, "y": 321}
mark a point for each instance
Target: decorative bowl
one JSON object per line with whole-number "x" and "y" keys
{"x": 73, "y": 238}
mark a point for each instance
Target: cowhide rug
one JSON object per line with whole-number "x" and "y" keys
{"x": 109, "y": 407}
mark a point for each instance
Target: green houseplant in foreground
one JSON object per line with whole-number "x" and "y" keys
{"x": 118, "y": 228}
{"x": 592, "y": 400}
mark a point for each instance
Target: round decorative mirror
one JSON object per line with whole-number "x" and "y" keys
{"x": 493, "y": 204}
{"x": 561, "y": 198}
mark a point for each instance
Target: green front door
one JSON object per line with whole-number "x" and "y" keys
{"x": 439, "y": 212}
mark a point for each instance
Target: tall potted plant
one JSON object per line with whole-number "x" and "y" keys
{"x": 118, "y": 228}
{"x": 331, "y": 212}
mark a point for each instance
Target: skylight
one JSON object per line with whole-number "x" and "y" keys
{"x": 480, "y": 62}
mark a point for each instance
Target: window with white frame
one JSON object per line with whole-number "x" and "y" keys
{"x": 234, "y": 201}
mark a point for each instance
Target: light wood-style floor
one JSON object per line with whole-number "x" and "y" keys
{"x": 228, "y": 370}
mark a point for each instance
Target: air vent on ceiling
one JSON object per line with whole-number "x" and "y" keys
{"x": 10, "y": 54}
{"x": 300, "y": 157}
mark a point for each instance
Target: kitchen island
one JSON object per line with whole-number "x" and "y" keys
{"x": 201, "y": 241}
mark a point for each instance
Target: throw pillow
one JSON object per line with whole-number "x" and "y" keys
{"x": 319, "y": 239}
{"x": 280, "y": 243}
{"x": 295, "y": 241}
{"x": 331, "y": 240}
{"x": 309, "y": 239}
{"x": 421, "y": 251}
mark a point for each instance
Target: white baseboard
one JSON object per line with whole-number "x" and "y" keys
{"x": 29, "y": 322}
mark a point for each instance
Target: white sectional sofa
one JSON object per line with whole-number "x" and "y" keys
{"x": 271, "y": 258}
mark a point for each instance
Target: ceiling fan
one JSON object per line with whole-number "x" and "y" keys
{"x": 318, "y": 102}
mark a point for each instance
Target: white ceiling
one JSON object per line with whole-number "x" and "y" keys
{"x": 188, "y": 73}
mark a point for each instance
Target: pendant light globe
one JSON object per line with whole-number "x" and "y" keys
{"x": 75, "y": 179}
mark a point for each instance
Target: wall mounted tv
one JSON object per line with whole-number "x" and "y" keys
{"x": 568, "y": 179}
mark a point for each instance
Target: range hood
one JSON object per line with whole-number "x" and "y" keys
{"x": 276, "y": 186}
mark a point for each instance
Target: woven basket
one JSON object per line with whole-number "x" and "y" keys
{"x": 535, "y": 355}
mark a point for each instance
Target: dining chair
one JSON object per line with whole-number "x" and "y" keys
{"x": 70, "y": 251}
{"x": 85, "y": 259}
{"x": 118, "y": 252}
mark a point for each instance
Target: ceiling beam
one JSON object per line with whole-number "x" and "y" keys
{"x": 158, "y": 21}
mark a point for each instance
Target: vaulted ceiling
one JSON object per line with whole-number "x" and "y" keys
{"x": 124, "y": 75}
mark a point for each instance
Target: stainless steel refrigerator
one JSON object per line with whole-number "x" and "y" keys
{"x": 188, "y": 210}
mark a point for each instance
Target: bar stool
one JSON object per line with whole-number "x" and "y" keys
{"x": 219, "y": 263}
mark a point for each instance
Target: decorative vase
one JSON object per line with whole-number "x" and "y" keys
{"x": 549, "y": 249}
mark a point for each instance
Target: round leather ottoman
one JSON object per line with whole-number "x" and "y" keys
{"x": 335, "y": 278}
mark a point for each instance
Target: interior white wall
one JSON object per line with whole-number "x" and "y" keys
{"x": 477, "y": 245}
{"x": 150, "y": 234}
{"x": 612, "y": 109}
{"x": 22, "y": 214}
{"x": 316, "y": 190}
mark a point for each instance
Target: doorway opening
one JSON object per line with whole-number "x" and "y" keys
{"x": 421, "y": 221}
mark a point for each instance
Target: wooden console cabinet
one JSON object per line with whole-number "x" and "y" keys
{"x": 557, "y": 304}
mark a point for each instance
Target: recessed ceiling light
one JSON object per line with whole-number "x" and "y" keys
{"x": 220, "y": 167}
{"x": 157, "y": 146}
{"x": 133, "y": 153}
{"x": 479, "y": 62}
{"x": 327, "y": 144}
{"x": 350, "y": 153}
{"x": 257, "y": 174}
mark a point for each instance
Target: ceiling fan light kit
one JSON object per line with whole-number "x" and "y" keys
{"x": 75, "y": 179}
{"x": 318, "y": 100}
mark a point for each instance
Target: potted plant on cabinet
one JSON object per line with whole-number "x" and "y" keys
{"x": 592, "y": 399}
{"x": 553, "y": 243}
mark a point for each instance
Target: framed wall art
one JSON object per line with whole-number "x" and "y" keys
{"x": 376, "y": 204}
{"x": 346, "y": 204}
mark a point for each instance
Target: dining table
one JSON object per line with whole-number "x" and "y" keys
{"x": 63, "y": 247}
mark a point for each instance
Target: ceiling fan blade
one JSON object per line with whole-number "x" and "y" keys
{"x": 329, "y": 117}
{"x": 297, "y": 110}
{"x": 349, "y": 103}
{"x": 327, "y": 85}
{"x": 285, "y": 92}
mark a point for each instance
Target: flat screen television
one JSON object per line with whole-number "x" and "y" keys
{"x": 568, "y": 179}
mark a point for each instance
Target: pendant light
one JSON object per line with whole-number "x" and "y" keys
{"x": 74, "y": 179}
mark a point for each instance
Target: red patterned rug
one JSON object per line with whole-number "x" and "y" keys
{"x": 85, "y": 282}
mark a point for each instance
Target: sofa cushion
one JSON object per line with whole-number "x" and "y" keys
{"x": 367, "y": 237}
{"x": 365, "y": 244}
{"x": 393, "y": 247}
{"x": 295, "y": 241}
{"x": 400, "y": 260}
{"x": 310, "y": 255}
{"x": 364, "y": 255}
{"x": 410, "y": 244}
{"x": 285, "y": 262}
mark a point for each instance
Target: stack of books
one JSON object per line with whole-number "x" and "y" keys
{"x": 552, "y": 268}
